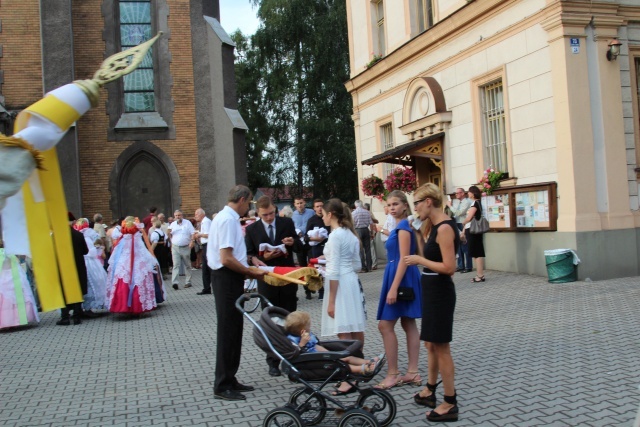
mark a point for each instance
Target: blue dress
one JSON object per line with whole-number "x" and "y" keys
{"x": 411, "y": 309}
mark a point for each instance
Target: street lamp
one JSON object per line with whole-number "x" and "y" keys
{"x": 614, "y": 50}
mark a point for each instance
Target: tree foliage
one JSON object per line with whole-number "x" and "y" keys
{"x": 290, "y": 79}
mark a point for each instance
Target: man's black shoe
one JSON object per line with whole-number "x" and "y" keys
{"x": 63, "y": 322}
{"x": 308, "y": 295}
{"x": 175, "y": 286}
{"x": 274, "y": 371}
{"x": 242, "y": 387}
{"x": 229, "y": 395}
{"x": 203, "y": 293}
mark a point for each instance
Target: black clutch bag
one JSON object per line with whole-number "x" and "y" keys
{"x": 406, "y": 293}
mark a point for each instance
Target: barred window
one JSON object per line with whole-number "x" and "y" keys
{"x": 424, "y": 9}
{"x": 135, "y": 28}
{"x": 494, "y": 136}
{"x": 386, "y": 139}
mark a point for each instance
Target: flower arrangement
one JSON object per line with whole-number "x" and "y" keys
{"x": 374, "y": 59}
{"x": 490, "y": 181}
{"x": 403, "y": 179}
{"x": 373, "y": 186}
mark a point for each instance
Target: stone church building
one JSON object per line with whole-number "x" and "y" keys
{"x": 167, "y": 135}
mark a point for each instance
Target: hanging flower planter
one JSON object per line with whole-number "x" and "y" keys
{"x": 490, "y": 181}
{"x": 373, "y": 186}
{"x": 403, "y": 179}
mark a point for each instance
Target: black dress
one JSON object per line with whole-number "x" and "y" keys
{"x": 438, "y": 292}
{"x": 476, "y": 246}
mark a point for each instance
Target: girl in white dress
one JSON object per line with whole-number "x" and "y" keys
{"x": 96, "y": 297}
{"x": 343, "y": 312}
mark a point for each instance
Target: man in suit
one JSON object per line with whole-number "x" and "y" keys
{"x": 274, "y": 230}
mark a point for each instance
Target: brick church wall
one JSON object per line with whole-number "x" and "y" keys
{"x": 97, "y": 154}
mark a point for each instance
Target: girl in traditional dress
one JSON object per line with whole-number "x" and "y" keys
{"x": 130, "y": 287}
{"x": 17, "y": 305}
{"x": 96, "y": 297}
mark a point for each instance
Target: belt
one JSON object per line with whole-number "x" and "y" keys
{"x": 178, "y": 246}
{"x": 361, "y": 228}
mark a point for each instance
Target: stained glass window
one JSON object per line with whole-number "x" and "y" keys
{"x": 135, "y": 28}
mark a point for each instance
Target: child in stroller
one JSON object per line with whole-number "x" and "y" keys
{"x": 298, "y": 325}
{"x": 310, "y": 405}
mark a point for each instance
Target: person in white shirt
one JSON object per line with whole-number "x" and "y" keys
{"x": 459, "y": 207}
{"x": 388, "y": 226}
{"x": 227, "y": 258}
{"x": 181, "y": 233}
{"x": 203, "y": 235}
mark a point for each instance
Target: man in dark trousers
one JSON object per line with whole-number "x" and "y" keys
{"x": 276, "y": 231}
{"x": 227, "y": 257}
{"x": 80, "y": 249}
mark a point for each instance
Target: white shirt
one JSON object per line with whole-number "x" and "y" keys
{"x": 389, "y": 225}
{"x": 205, "y": 226}
{"x": 266, "y": 227}
{"x": 154, "y": 235}
{"x": 181, "y": 233}
{"x": 228, "y": 235}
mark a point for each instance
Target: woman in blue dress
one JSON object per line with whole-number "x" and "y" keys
{"x": 402, "y": 242}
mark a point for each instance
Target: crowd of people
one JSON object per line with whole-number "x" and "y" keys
{"x": 122, "y": 268}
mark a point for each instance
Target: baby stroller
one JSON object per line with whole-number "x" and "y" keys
{"x": 309, "y": 405}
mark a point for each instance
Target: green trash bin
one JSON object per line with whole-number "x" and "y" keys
{"x": 562, "y": 265}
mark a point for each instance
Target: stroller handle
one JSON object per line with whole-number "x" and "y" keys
{"x": 246, "y": 297}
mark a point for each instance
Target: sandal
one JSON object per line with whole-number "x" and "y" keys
{"x": 413, "y": 381}
{"x": 383, "y": 386}
{"x": 477, "y": 279}
{"x": 450, "y": 415}
{"x": 339, "y": 392}
{"x": 429, "y": 400}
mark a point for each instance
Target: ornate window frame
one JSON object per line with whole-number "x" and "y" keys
{"x": 140, "y": 125}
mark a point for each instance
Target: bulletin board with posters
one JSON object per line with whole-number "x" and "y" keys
{"x": 522, "y": 208}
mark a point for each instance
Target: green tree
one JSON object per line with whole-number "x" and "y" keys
{"x": 291, "y": 76}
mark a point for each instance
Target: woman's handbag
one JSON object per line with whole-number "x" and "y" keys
{"x": 405, "y": 293}
{"x": 479, "y": 226}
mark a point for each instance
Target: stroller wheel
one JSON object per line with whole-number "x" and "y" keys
{"x": 380, "y": 404}
{"x": 358, "y": 418}
{"x": 311, "y": 407}
{"x": 282, "y": 417}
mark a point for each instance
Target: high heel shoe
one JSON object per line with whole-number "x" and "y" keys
{"x": 413, "y": 381}
{"x": 429, "y": 401}
{"x": 477, "y": 279}
{"x": 450, "y": 415}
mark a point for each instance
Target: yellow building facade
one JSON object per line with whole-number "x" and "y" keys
{"x": 543, "y": 90}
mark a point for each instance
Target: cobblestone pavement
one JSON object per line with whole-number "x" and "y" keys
{"x": 527, "y": 353}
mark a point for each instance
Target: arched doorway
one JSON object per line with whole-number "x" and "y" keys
{"x": 144, "y": 176}
{"x": 144, "y": 182}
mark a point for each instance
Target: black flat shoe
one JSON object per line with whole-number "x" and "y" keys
{"x": 343, "y": 393}
{"x": 77, "y": 321}
{"x": 63, "y": 322}
{"x": 229, "y": 395}
{"x": 175, "y": 286}
{"x": 203, "y": 293}
{"x": 242, "y": 387}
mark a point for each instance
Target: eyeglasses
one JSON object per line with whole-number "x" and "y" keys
{"x": 417, "y": 202}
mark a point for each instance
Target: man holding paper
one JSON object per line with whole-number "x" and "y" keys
{"x": 279, "y": 240}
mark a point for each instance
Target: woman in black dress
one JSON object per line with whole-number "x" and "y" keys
{"x": 476, "y": 246}
{"x": 438, "y": 299}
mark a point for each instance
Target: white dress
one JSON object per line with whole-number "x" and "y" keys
{"x": 17, "y": 305}
{"x": 96, "y": 297}
{"x": 342, "y": 252}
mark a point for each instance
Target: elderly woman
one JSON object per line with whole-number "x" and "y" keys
{"x": 438, "y": 300}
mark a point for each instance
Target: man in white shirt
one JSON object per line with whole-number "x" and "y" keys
{"x": 203, "y": 235}
{"x": 227, "y": 258}
{"x": 181, "y": 233}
